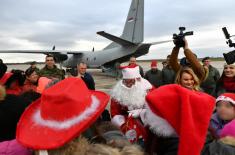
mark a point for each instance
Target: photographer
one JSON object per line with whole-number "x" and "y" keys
{"x": 226, "y": 83}
{"x": 193, "y": 62}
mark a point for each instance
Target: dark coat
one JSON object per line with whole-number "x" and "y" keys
{"x": 209, "y": 85}
{"x": 10, "y": 111}
{"x": 141, "y": 71}
{"x": 3, "y": 69}
{"x": 161, "y": 145}
{"x": 154, "y": 77}
{"x": 168, "y": 75}
{"x": 88, "y": 79}
{"x": 218, "y": 148}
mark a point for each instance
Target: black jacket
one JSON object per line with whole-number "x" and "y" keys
{"x": 209, "y": 85}
{"x": 154, "y": 77}
{"x": 168, "y": 75}
{"x": 88, "y": 79}
{"x": 11, "y": 109}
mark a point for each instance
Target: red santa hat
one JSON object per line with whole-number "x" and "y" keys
{"x": 229, "y": 97}
{"x": 154, "y": 64}
{"x": 130, "y": 72}
{"x": 187, "y": 111}
{"x": 62, "y": 113}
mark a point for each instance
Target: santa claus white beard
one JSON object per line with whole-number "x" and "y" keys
{"x": 133, "y": 98}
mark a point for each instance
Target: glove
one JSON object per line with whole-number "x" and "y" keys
{"x": 118, "y": 120}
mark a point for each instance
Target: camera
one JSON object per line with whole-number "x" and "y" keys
{"x": 230, "y": 56}
{"x": 179, "y": 38}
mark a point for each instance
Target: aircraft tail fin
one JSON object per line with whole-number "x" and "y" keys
{"x": 134, "y": 26}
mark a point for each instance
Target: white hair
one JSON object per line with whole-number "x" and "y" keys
{"x": 133, "y": 98}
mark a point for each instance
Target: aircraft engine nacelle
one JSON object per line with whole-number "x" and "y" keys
{"x": 60, "y": 57}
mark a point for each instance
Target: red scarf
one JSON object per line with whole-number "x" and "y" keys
{"x": 229, "y": 84}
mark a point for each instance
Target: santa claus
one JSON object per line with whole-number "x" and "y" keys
{"x": 128, "y": 101}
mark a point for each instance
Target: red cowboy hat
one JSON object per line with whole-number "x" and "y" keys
{"x": 62, "y": 113}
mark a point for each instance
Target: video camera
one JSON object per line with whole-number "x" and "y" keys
{"x": 230, "y": 56}
{"x": 179, "y": 38}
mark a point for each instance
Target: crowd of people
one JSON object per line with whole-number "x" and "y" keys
{"x": 187, "y": 108}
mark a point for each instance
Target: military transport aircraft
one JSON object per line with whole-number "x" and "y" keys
{"x": 119, "y": 51}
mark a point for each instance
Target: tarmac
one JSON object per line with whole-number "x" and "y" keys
{"x": 102, "y": 81}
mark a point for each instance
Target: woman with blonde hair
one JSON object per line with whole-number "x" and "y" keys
{"x": 188, "y": 79}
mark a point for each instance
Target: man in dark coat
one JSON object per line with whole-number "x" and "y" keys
{"x": 209, "y": 85}
{"x": 154, "y": 75}
{"x": 33, "y": 65}
{"x": 86, "y": 77}
{"x": 168, "y": 74}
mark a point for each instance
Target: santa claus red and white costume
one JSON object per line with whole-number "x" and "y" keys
{"x": 127, "y": 104}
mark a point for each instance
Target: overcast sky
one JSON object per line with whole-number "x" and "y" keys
{"x": 72, "y": 25}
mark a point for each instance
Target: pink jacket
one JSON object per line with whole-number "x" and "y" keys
{"x": 229, "y": 129}
{"x": 12, "y": 147}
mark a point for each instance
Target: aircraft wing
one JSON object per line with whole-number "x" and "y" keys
{"x": 116, "y": 39}
{"x": 42, "y": 51}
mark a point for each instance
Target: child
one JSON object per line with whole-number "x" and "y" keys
{"x": 225, "y": 112}
{"x": 226, "y": 142}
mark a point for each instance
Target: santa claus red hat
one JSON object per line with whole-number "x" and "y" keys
{"x": 187, "y": 111}
{"x": 229, "y": 97}
{"x": 130, "y": 72}
{"x": 154, "y": 64}
{"x": 62, "y": 113}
